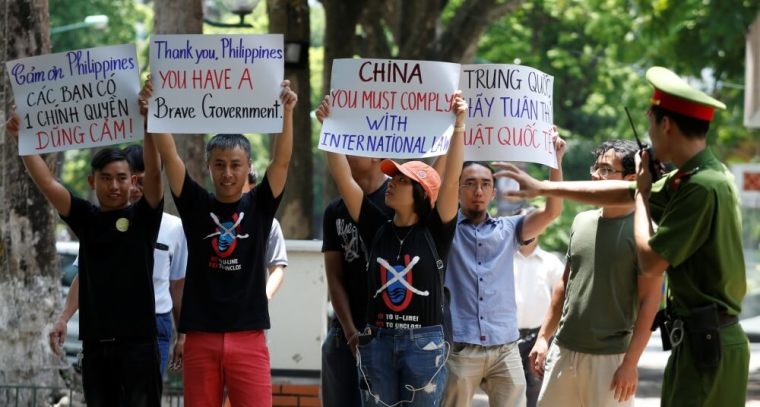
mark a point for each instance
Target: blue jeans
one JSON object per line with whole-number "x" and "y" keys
{"x": 164, "y": 328}
{"x": 406, "y": 365}
{"x": 340, "y": 385}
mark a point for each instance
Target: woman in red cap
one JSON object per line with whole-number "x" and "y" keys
{"x": 402, "y": 352}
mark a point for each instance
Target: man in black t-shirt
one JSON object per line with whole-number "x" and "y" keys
{"x": 346, "y": 270}
{"x": 117, "y": 319}
{"x": 224, "y": 304}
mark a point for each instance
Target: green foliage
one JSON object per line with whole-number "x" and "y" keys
{"x": 76, "y": 168}
{"x": 123, "y": 18}
{"x": 598, "y": 51}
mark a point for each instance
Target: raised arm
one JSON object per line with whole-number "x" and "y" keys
{"x": 537, "y": 221}
{"x": 448, "y": 203}
{"x": 337, "y": 163}
{"x": 54, "y": 191}
{"x": 650, "y": 262}
{"x": 277, "y": 172}
{"x": 549, "y": 326}
{"x": 167, "y": 150}
{"x": 153, "y": 187}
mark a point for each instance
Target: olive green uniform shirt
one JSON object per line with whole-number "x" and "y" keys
{"x": 699, "y": 234}
{"x": 601, "y": 298}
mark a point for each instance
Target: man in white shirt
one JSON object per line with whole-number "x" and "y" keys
{"x": 277, "y": 257}
{"x": 536, "y": 273}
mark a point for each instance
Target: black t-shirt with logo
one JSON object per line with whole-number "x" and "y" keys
{"x": 341, "y": 234}
{"x": 115, "y": 269}
{"x": 225, "y": 286}
{"x": 405, "y": 286}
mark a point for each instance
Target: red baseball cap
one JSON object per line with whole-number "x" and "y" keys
{"x": 424, "y": 174}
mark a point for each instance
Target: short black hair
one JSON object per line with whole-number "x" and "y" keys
{"x": 626, "y": 150}
{"x": 106, "y": 156}
{"x": 471, "y": 163}
{"x": 689, "y": 126}
{"x": 422, "y": 204}
{"x": 228, "y": 142}
{"x": 134, "y": 153}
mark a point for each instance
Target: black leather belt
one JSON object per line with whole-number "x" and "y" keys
{"x": 725, "y": 320}
{"x": 524, "y": 333}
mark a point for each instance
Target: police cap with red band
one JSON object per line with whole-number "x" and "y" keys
{"x": 674, "y": 94}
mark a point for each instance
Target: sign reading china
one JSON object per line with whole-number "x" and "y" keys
{"x": 390, "y": 108}
{"x": 77, "y": 99}
{"x": 216, "y": 83}
{"x": 510, "y": 114}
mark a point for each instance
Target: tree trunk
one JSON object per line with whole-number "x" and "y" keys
{"x": 459, "y": 42}
{"x": 183, "y": 17}
{"x": 30, "y": 284}
{"x": 341, "y": 18}
{"x": 292, "y": 18}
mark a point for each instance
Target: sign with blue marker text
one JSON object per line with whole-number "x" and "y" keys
{"x": 77, "y": 99}
{"x": 390, "y": 108}
{"x": 510, "y": 115}
{"x": 216, "y": 83}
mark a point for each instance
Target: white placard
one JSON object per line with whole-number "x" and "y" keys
{"x": 77, "y": 99}
{"x": 510, "y": 114}
{"x": 390, "y": 108}
{"x": 216, "y": 83}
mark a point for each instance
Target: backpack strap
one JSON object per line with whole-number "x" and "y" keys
{"x": 375, "y": 240}
{"x": 448, "y": 334}
{"x": 438, "y": 262}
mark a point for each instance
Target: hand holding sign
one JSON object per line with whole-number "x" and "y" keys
{"x": 323, "y": 111}
{"x": 13, "y": 125}
{"x": 288, "y": 97}
{"x": 459, "y": 106}
{"x": 559, "y": 145}
{"x": 144, "y": 96}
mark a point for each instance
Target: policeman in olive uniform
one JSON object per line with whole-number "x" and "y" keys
{"x": 698, "y": 241}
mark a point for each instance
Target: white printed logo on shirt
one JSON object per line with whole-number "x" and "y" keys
{"x": 226, "y": 235}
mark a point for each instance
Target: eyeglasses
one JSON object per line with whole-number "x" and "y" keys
{"x": 473, "y": 186}
{"x": 602, "y": 171}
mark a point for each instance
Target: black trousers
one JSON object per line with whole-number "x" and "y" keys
{"x": 121, "y": 374}
{"x": 525, "y": 344}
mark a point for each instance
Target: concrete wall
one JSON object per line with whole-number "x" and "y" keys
{"x": 299, "y": 310}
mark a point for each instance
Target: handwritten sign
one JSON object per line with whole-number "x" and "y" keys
{"x": 390, "y": 108}
{"x": 216, "y": 83}
{"x": 77, "y": 99}
{"x": 510, "y": 114}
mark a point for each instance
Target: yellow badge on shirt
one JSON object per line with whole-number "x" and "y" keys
{"x": 122, "y": 224}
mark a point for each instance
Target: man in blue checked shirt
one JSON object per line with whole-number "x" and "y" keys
{"x": 481, "y": 281}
